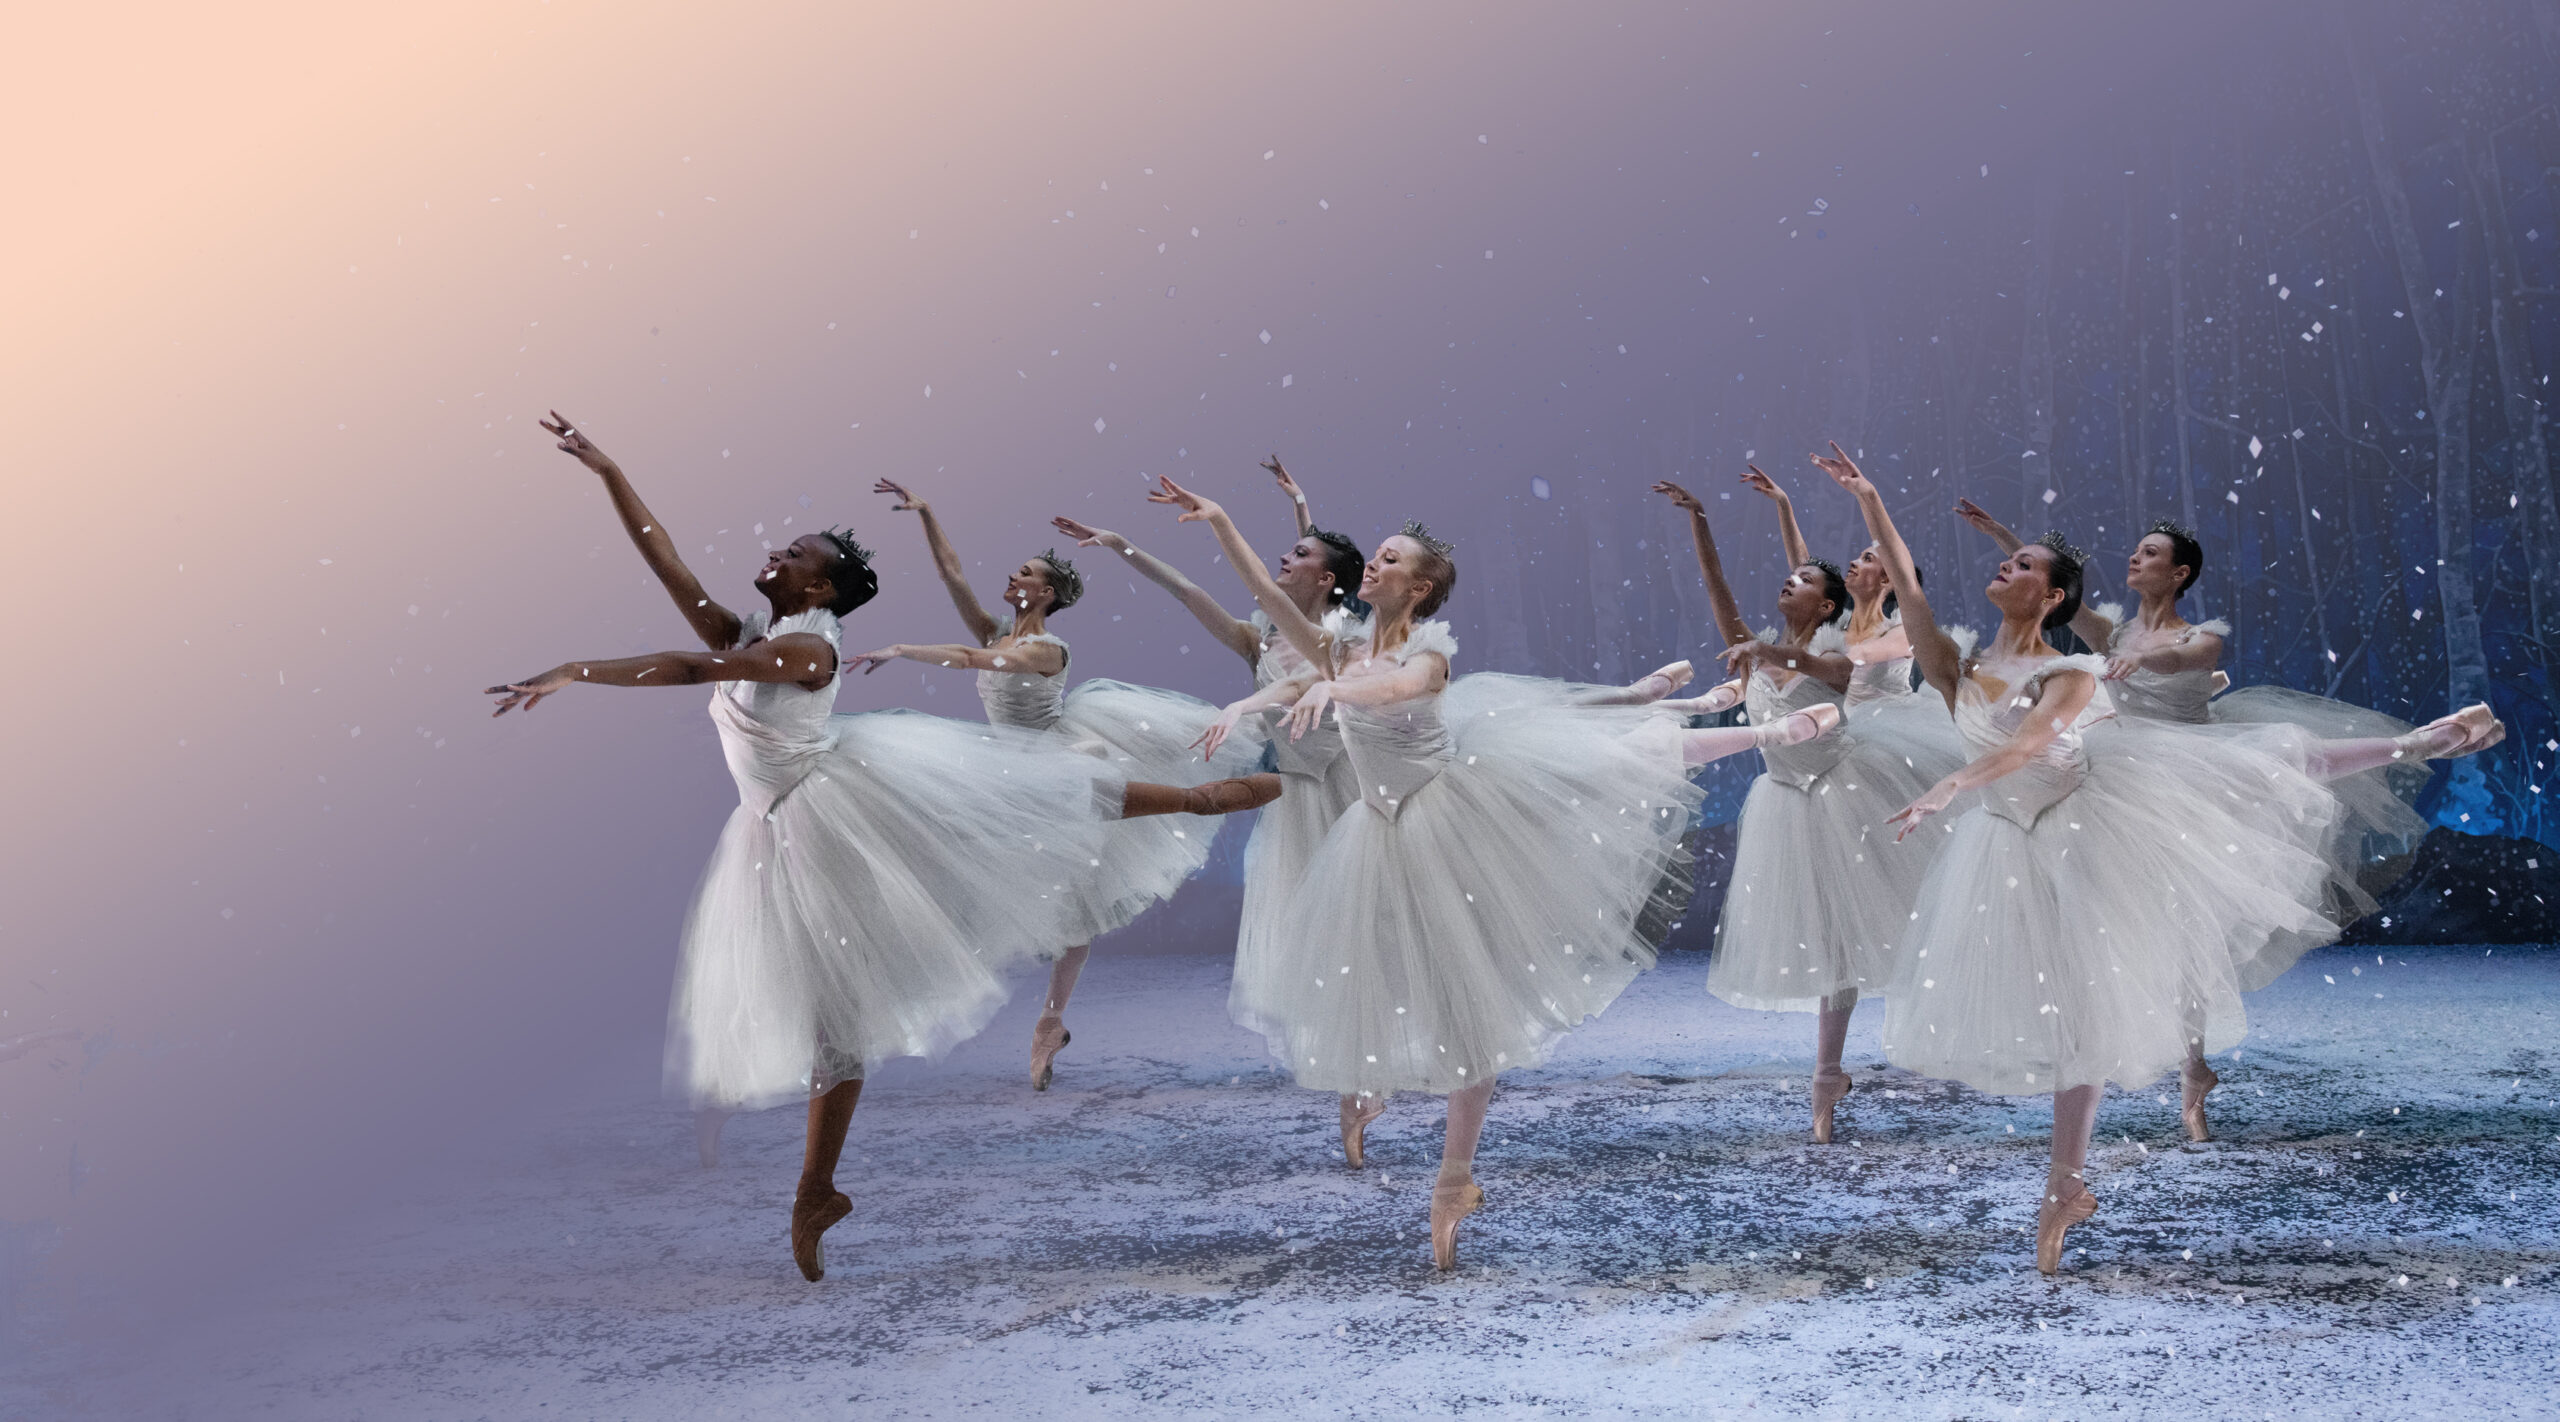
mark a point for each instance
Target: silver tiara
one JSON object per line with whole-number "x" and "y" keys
{"x": 1414, "y": 530}
{"x": 2061, "y": 547}
{"x": 1064, "y": 581}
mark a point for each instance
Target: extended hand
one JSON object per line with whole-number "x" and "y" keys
{"x": 1759, "y": 482}
{"x": 530, "y": 692}
{"x": 1309, "y": 712}
{"x": 1982, "y": 522}
{"x": 576, "y": 444}
{"x": 907, "y": 502}
{"x": 1219, "y": 729}
{"x": 1843, "y": 470}
{"x": 1194, "y": 508}
{"x": 2118, "y": 668}
{"x": 1288, "y": 485}
{"x": 1679, "y": 496}
{"x": 1086, "y": 535}
{"x": 872, "y": 661}
{"x": 1909, "y": 816}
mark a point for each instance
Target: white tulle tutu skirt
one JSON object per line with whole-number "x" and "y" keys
{"x": 2095, "y": 945}
{"x": 1144, "y": 733}
{"x": 1504, "y": 904}
{"x": 872, "y": 913}
{"x": 1286, "y": 834}
{"x": 1821, "y": 895}
{"x": 2378, "y": 827}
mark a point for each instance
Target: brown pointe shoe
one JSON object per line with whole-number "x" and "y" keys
{"x": 2193, "y": 1082}
{"x": 1828, "y": 1088}
{"x": 1049, "y": 1036}
{"x": 1355, "y": 1125}
{"x": 1226, "y": 797}
{"x": 1451, "y": 1203}
{"x": 2058, "y": 1214}
{"x": 810, "y": 1220}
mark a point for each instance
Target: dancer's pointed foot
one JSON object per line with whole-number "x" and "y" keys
{"x": 811, "y": 1217}
{"x": 2067, "y": 1202}
{"x": 1451, "y": 1201}
{"x": 1049, "y": 1036}
{"x": 2468, "y": 731}
{"x": 1357, "y": 1112}
{"x": 1226, "y": 797}
{"x": 2196, "y": 1080}
{"x": 1655, "y": 685}
{"x": 1797, "y": 727}
{"x": 1829, "y": 1085}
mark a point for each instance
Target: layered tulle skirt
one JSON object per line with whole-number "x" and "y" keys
{"x": 1508, "y": 899}
{"x": 2097, "y": 942}
{"x": 2378, "y": 826}
{"x": 1143, "y": 733}
{"x": 871, "y": 911}
{"x": 1286, "y": 835}
{"x": 1821, "y": 895}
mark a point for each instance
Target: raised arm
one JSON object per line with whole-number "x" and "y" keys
{"x": 1728, "y": 613}
{"x": 1312, "y": 641}
{"x": 1798, "y": 552}
{"x": 2089, "y": 624}
{"x": 797, "y": 658}
{"x": 1233, "y": 632}
{"x": 2060, "y": 698}
{"x": 955, "y": 579}
{"x": 717, "y": 626}
{"x": 1297, "y": 496}
{"x": 1940, "y": 661}
{"x": 1037, "y": 658}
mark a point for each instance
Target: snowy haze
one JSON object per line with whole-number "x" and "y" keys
{"x": 288, "y": 288}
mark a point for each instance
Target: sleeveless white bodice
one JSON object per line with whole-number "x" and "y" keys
{"x": 1026, "y": 699}
{"x": 2059, "y": 768}
{"x": 1398, "y": 749}
{"x": 772, "y": 733}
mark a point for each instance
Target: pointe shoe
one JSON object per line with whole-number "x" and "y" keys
{"x": 1655, "y": 685}
{"x": 810, "y": 1220}
{"x": 2057, "y": 1215}
{"x": 1823, "y": 717}
{"x": 2475, "y": 729}
{"x": 1450, "y": 1203}
{"x": 1049, "y": 1036}
{"x": 1827, "y": 1091}
{"x": 1355, "y": 1126}
{"x": 2193, "y": 1082}
{"x": 1226, "y": 797}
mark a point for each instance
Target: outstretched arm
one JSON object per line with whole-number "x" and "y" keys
{"x": 2196, "y": 651}
{"x": 1297, "y": 496}
{"x": 955, "y": 579}
{"x": 1236, "y": 634}
{"x": 1312, "y": 641}
{"x": 1037, "y": 658}
{"x": 1940, "y": 662}
{"x": 2060, "y": 698}
{"x": 1729, "y": 620}
{"x": 797, "y": 658}
{"x": 717, "y": 626}
{"x": 1417, "y": 677}
{"x": 1270, "y": 698}
{"x": 1798, "y": 552}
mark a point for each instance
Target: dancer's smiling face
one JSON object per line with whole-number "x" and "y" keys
{"x": 2024, "y": 585}
{"x": 1399, "y": 578}
{"x": 2154, "y": 569}
{"x": 1305, "y": 575}
{"x": 799, "y": 575}
{"x": 1806, "y": 596}
{"x": 1029, "y": 588}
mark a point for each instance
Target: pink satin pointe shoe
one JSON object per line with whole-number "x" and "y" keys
{"x": 1785, "y": 730}
{"x": 1829, "y": 1085}
{"x": 810, "y": 1221}
{"x": 1655, "y": 685}
{"x": 1451, "y": 1201}
{"x": 1357, "y": 1113}
{"x": 2193, "y": 1084}
{"x": 2056, "y": 1217}
{"x": 1049, "y": 1036}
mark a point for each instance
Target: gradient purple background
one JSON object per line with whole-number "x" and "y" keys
{"x": 286, "y": 292}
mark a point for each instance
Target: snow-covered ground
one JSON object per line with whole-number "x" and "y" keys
{"x": 1170, "y": 1231}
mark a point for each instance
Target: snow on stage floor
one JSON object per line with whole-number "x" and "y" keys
{"x": 1170, "y": 1231}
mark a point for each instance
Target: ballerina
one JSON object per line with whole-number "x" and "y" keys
{"x": 1819, "y": 895}
{"x": 2161, "y": 667}
{"x": 2085, "y": 914}
{"x": 1021, "y": 669}
{"x": 879, "y": 869}
{"x": 1487, "y": 894}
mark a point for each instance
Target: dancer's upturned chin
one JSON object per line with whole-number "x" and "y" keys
{"x": 1487, "y": 893}
{"x": 880, "y": 869}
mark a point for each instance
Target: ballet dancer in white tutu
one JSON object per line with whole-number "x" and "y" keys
{"x": 1489, "y": 891}
{"x": 2164, "y": 669}
{"x": 880, "y": 870}
{"x": 2088, "y": 908}
{"x": 1146, "y": 732}
{"x": 1819, "y": 905}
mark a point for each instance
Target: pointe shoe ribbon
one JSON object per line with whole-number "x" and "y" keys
{"x": 1226, "y": 797}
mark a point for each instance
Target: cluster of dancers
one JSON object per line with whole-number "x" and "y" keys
{"x": 2058, "y": 870}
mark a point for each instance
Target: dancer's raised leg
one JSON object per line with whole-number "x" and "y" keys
{"x": 2466, "y": 732}
{"x": 2066, "y": 1200}
{"x": 818, "y": 1204}
{"x": 1830, "y": 1039}
{"x": 1456, "y": 1195}
{"x": 1794, "y": 728}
